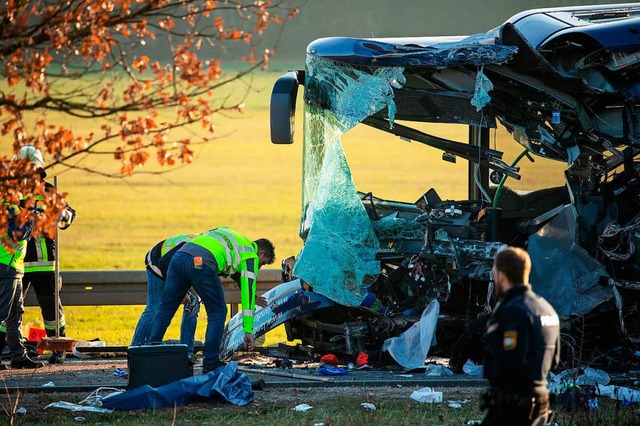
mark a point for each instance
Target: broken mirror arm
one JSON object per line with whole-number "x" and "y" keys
{"x": 484, "y": 156}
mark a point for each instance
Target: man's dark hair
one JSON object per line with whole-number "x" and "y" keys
{"x": 515, "y": 264}
{"x": 268, "y": 248}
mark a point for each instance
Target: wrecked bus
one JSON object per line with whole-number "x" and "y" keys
{"x": 565, "y": 83}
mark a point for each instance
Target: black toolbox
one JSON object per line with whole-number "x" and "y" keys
{"x": 157, "y": 365}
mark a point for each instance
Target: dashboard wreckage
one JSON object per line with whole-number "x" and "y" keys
{"x": 565, "y": 83}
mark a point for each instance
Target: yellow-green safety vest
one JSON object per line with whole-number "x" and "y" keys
{"x": 235, "y": 253}
{"x": 42, "y": 264}
{"x": 171, "y": 242}
{"x": 15, "y": 259}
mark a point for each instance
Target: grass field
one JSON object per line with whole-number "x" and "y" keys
{"x": 243, "y": 181}
{"x": 335, "y": 407}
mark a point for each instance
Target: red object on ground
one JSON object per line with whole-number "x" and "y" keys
{"x": 362, "y": 359}
{"x": 329, "y": 359}
{"x": 36, "y": 334}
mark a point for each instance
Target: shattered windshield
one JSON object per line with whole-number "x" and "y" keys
{"x": 338, "y": 258}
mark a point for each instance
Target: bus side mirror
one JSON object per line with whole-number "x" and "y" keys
{"x": 283, "y": 107}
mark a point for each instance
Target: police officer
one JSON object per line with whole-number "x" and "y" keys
{"x": 522, "y": 343}
{"x": 220, "y": 251}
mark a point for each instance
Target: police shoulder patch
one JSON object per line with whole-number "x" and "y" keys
{"x": 510, "y": 340}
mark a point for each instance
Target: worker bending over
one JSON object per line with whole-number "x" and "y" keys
{"x": 220, "y": 251}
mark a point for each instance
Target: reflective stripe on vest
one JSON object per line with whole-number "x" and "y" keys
{"x": 171, "y": 242}
{"x": 43, "y": 264}
{"x": 248, "y": 274}
{"x": 232, "y": 252}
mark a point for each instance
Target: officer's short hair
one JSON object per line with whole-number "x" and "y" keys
{"x": 268, "y": 248}
{"x": 515, "y": 264}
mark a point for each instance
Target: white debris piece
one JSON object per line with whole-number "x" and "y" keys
{"x": 438, "y": 370}
{"x": 410, "y": 349}
{"x": 49, "y": 385}
{"x": 577, "y": 376}
{"x": 86, "y": 344}
{"x": 302, "y": 408}
{"x": 620, "y": 393}
{"x": 21, "y": 410}
{"x": 368, "y": 406}
{"x": 75, "y": 407}
{"x": 427, "y": 395}
{"x": 593, "y": 377}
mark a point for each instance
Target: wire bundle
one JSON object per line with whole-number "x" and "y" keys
{"x": 616, "y": 242}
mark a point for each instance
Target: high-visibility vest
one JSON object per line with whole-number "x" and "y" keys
{"x": 12, "y": 252}
{"x": 44, "y": 256}
{"x": 235, "y": 253}
{"x": 229, "y": 248}
{"x": 171, "y": 242}
{"x": 40, "y": 250}
{"x": 159, "y": 250}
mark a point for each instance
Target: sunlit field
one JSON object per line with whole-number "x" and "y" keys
{"x": 243, "y": 181}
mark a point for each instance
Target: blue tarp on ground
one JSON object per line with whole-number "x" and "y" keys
{"x": 224, "y": 385}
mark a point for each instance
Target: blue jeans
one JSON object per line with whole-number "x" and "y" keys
{"x": 188, "y": 328}
{"x": 155, "y": 287}
{"x": 183, "y": 275}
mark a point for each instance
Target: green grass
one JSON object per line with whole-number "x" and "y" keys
{"x": 116, "y": 324}
{"x": 330, "y": 411}
{"x": 243, "y": 181}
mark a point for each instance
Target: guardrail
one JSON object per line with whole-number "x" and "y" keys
{"x": 96, "y": 288}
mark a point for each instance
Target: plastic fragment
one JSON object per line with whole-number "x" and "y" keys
{"x": 329, "y": 359}
{"x": 410, "y": 349}
{"x": 481, "y": 93}
{"x": 121, "y": 372}
{"x": 332, "y": 371}
{"x": 49, "y": 385}
{"x": 21, "y": 410}
{"x": 471, "y": 369}
{"x": 302, "y": 408}
{"x": 362, "y": 360}
{"x": 368, "y": 406}
{"x": 86, "y": 344}
{"x": 427, "y": 395}
{"x": 79, "y": 419}
{"x": 438, "y": 370}
{"x": 75, "y": 407}
{"x": 619, "y": 393}
{"x": 457, "y": 403}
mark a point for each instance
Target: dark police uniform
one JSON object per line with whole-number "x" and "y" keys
{"x": 522, "y": 343}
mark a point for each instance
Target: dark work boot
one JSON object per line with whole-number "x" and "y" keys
{"x": 25, "y": 362}
{"x": 57, "y": 358}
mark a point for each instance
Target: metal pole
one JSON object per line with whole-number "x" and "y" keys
{"x": 478, "y": 136}
{"x": 281, "y": 374}
{"x": 56, "y": 263}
